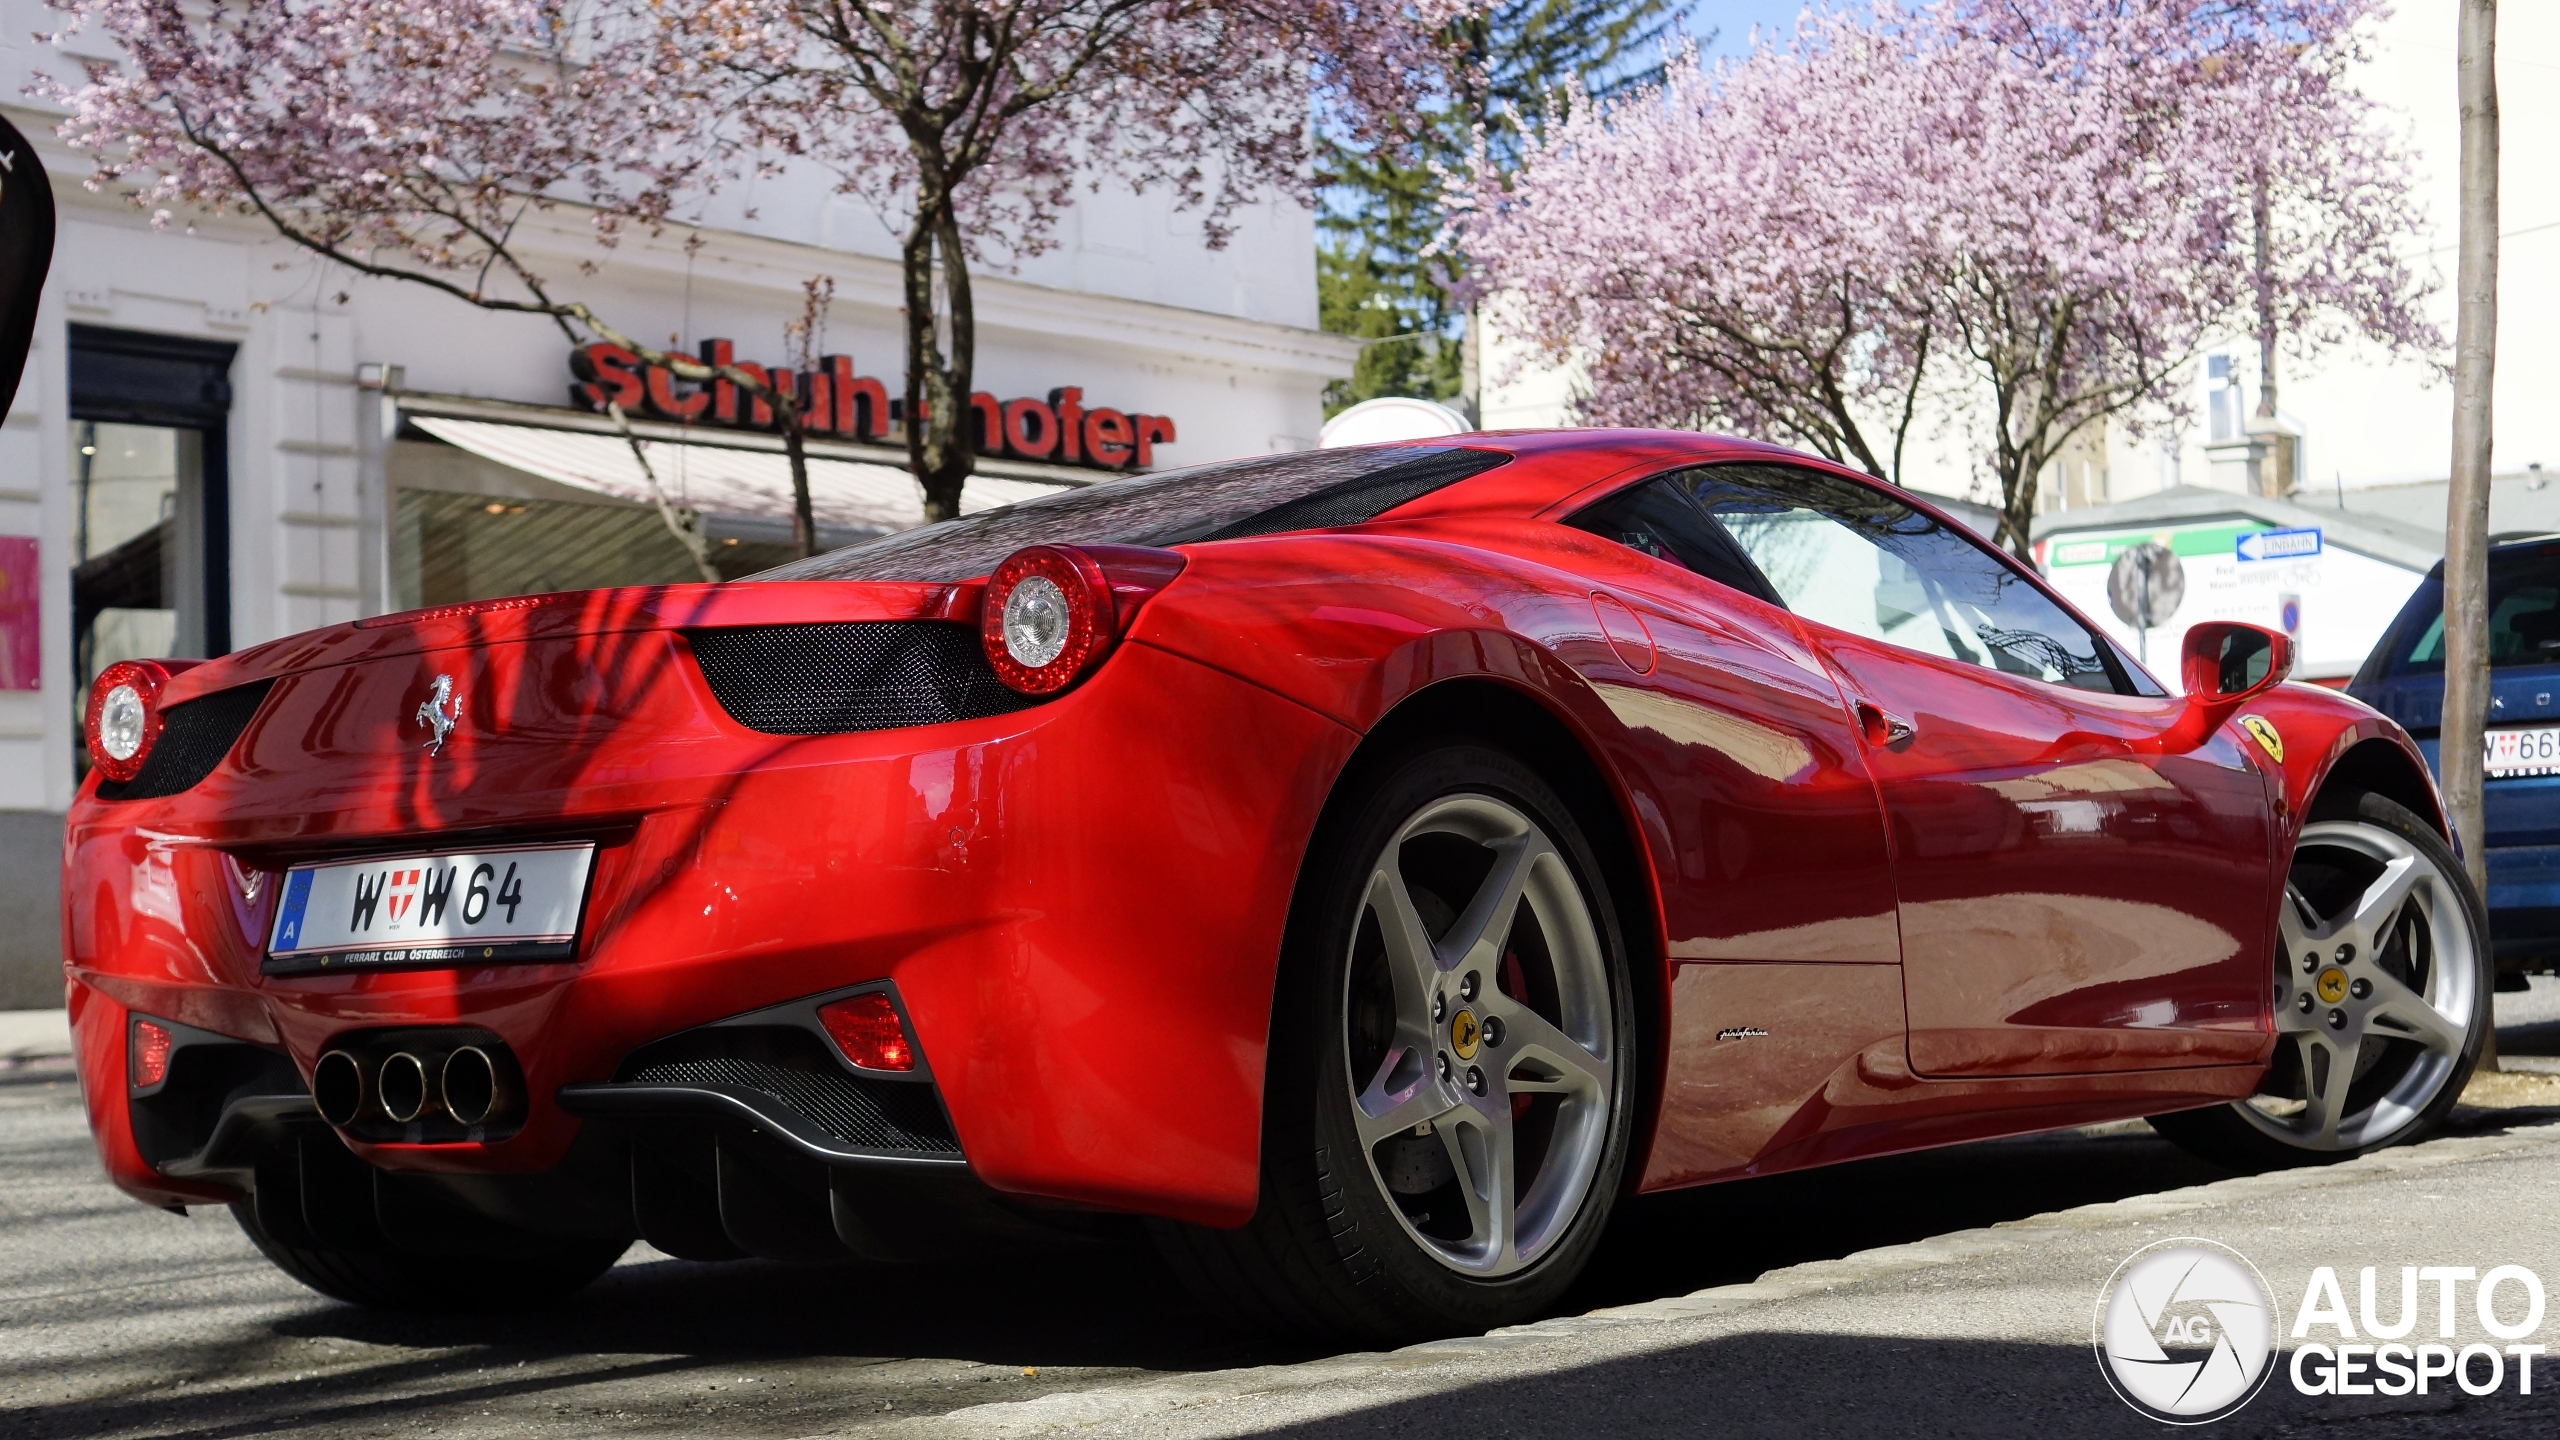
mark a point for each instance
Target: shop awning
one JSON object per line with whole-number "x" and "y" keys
{"x": 718, "y": 479}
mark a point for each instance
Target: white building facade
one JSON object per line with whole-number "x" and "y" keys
{"x": 220, "y": 440}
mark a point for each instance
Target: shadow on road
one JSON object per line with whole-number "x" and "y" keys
{"x": 1777, "y": 1384}
{"x": 672, "y": 1343}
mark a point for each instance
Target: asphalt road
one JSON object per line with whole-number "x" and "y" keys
{"x": 1946, "y": 1293}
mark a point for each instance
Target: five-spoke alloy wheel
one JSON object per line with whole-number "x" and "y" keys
{"x": 1478, "y": 1034}
{"x": 1450, "y": 1081}
{"x": 2381, "y": 992}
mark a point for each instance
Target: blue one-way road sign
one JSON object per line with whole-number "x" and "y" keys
{"x": 2278, "y": 544}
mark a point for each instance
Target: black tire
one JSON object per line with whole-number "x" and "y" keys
{"x": 2227, "y": 1136}
{"x": 540, "y": 1273}
{"x": 1328, "y": 1252}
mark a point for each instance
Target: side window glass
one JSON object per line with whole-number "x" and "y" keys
{"x": 1857, "y": 560}
{"x": 1828, "y": 573}
{"x": 1658, "y": 518}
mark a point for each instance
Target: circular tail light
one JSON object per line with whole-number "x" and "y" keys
{"x": 1052, "y": 612}
{"x": 1048, "y": 619}
{"x": 124, "y": 717}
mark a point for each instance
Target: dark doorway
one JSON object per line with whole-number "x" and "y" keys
{"x": 151, "y": 517}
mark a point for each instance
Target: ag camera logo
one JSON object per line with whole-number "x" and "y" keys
{"x": 2185, "y": 1331}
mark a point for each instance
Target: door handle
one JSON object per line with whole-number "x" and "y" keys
{"x": 1882, "y": 727}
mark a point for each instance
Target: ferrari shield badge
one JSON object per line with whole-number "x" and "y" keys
{"x": 2265, "y": 734}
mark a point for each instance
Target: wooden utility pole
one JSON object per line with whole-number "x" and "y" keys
{"x": 2466, "y": 529}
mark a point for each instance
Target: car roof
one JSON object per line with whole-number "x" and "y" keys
{"x": 1566, "y": 464}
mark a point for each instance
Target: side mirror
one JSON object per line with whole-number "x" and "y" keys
{"x": 2223, "y": 664}
{"x": 2226, "y": 661}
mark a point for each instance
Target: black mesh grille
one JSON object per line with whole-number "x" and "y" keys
{"x": 829, "y": 679}
{"x": 872, "y": 1114}
{"x": 1366, "y": 497}
{"x": 193, "y": 739}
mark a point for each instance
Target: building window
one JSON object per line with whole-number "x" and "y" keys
{"x": 151, "y": 515}
{"x": 2223, "y": 409}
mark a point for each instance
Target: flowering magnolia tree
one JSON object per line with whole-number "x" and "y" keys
{"x": 969, "y": 123}
{"x": 2030, "y": 213}
{"x": 428, "y": 141}
{"x": 420, "y": 142}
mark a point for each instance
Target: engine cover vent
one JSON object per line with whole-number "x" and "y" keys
{"x": 838, "y": 677}
{"x": 193, "y": 739}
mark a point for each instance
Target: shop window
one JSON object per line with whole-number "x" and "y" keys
{"x": 450, "y": 546}
{"x": 126, "y": 480}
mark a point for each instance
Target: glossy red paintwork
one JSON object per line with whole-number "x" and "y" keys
{"x": 2068, "y": 902}
{"x": 1081, "y": 903}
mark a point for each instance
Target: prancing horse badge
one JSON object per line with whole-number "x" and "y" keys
{"x": 2266, "y": 736}
{"x": 440, "y": 712}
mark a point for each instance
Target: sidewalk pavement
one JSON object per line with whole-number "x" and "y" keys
{"x": 34, "y": 1034}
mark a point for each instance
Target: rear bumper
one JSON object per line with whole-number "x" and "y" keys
{"x": 807, "y": 1170}
{"x": 1085, "y": 947}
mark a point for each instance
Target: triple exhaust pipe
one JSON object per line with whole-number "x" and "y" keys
{"x": 467, "y": 1083}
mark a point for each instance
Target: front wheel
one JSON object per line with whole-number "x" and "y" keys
{"x": 1452, "y": 1071}
{"x": 2382, "y": 998}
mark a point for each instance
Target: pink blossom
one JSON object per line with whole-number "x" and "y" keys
{"x": 2031, "y": 213}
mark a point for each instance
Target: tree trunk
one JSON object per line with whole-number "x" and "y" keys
{"x": 2262, "y": 222}
{"x": 804, "y": 518}
{"x": 2016, "y": 531}
{"x": 939, "y": 452}
{"x": 1471, "y": 366}
{"x": 2466, "y": 534}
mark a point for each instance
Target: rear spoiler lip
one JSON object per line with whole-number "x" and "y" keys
{"x": 566, "y": 614}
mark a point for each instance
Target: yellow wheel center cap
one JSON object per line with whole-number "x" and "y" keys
{"x": 2332, "y": 985}
{"x": 1463, "y": 1034}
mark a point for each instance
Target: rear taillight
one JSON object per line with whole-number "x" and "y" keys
{"x": 149, "y": 1052}
{"x": 124, "y": 716}
{"x": 866, "y": 1028}
{"x": 1052, "y": 612}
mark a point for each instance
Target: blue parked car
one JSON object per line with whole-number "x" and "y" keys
{"x": 2404, "y": 679}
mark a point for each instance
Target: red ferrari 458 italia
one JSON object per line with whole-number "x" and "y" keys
{"x": 1365, "y": 866}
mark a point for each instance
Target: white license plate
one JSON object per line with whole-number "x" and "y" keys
{"x": 2530, "y": 751}
{"x": 499, "y": 903}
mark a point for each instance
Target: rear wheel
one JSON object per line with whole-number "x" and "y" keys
{"x": 2382, "y": 998}
{"x": 540, "y": 1272}
{"x": 1451, "y": 1075}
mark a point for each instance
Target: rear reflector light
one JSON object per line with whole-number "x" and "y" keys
{"x": 867, "y": 1030}
{"x": 124, "y": 717}
{"x": 150, "y": 1053}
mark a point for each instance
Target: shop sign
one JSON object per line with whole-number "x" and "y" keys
{"x": 837, "y": 402}
{"x": 2334, "y": 601}
{"x": 21, "y": 614}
